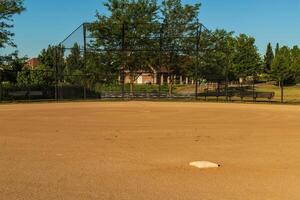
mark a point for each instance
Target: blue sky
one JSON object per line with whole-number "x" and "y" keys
{"x": 50, "y": 21}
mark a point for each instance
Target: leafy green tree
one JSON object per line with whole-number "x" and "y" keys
{"x": 52, "y": 64}
{"x": 179, "y": 23}
{"x": 12, "y": 64}
{"x": 295, "y": 63}
{"x": 217, "y": 62}
{"x": 75, "y": 60}
{"x": 52, "y": 58}
{"x": 281, "y": 67}
{"x": 101, "y": 69}
{"x": 126, "y": 30}
{"x": 75, "y": 68}
{"x": 247, "y": 61}
{"x": 268, "y": 59}
{"x": 8, "y": 8}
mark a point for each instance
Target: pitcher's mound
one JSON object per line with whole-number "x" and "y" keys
{"x": 204, "y": 164}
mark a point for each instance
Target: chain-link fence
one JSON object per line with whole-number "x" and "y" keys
{"x": 129, "y": 61}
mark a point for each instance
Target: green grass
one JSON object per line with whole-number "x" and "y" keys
{"x": 291, "y": 93}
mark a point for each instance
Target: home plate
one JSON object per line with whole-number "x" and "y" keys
{"x": 204, "y": 164}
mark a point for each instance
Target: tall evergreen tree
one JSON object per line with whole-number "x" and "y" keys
{"x": 277, "y": 48}
{"x": 268, "y": 59}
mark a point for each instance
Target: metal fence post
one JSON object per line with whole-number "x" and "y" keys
{"x": 199, "y": 31}
{"x": 159, "y": 58}
{"x": 0, "y": 85}
{"x": 253, "y": 88}
{"x": 84, "y": 58}
{"x": 123, "y": 67}
{"x": 56, "y": 74}
{"x": 226, "y": 83}
{"x": 29, "y": 85}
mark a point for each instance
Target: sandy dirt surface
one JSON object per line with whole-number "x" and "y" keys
{"x": 142, "y": 150}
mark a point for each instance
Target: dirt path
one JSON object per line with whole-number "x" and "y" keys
{"x": 141, "y": 151}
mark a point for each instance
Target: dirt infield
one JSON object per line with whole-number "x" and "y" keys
{"x": 142, "y": 150}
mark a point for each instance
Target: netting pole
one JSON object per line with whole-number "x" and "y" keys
{"x": 0, "y": 85}
{"x": 56, "y": 74}
{"x": 281, "y": 82}
{"x": 159, "y": 58}
{"x": 84, "y": 58}
{"x": 29, "y": 85}
{"x": 123, "y": 67}
{"x": 199, "y": 31}
{"x": 226, "y": 82}
{"x": 253, "y": 88}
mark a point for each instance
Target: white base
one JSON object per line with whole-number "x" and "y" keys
{"x": 204, "y": 164}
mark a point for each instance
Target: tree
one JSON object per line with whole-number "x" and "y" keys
{"x": 277, "y": 48}
{"x": 8, "y": 8}
{"x": 268, "y": 59}
{"x": 75, "y": 60}
{"x": 52, "y": 57}
{"x": 126, "y": 30}
{"x": 217, "y": 62}
{"x": 281, "y": 67}
{"x": 52, "y": 64}
{"x": 74, "y": 69}
{"x": 247, "y": 61}
{"x": 295, "y": 63}
{"x": 179, "y": 23}
{"x": 12, "y": 64}
{"x": 28, "y": 78}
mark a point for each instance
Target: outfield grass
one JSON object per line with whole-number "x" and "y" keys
{"x": 291, "y": 93}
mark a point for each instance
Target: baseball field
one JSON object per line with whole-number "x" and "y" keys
{"x": 142, "y": 151}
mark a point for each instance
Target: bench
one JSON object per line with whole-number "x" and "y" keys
{"x": 26, "y": 94}
{"x": 267, "y": 95}
{"x": 216, "y": 94}
{"x": 242, "y": 95}
{"x": 112, "y": 95}
{"x": 256, "y": 95}
{"x": 141, "y": 95}
{"x": 35, "y": 94}
{"x": 18, "y": 94}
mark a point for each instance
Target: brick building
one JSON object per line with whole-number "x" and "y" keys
{"x": 32, "y": 63}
